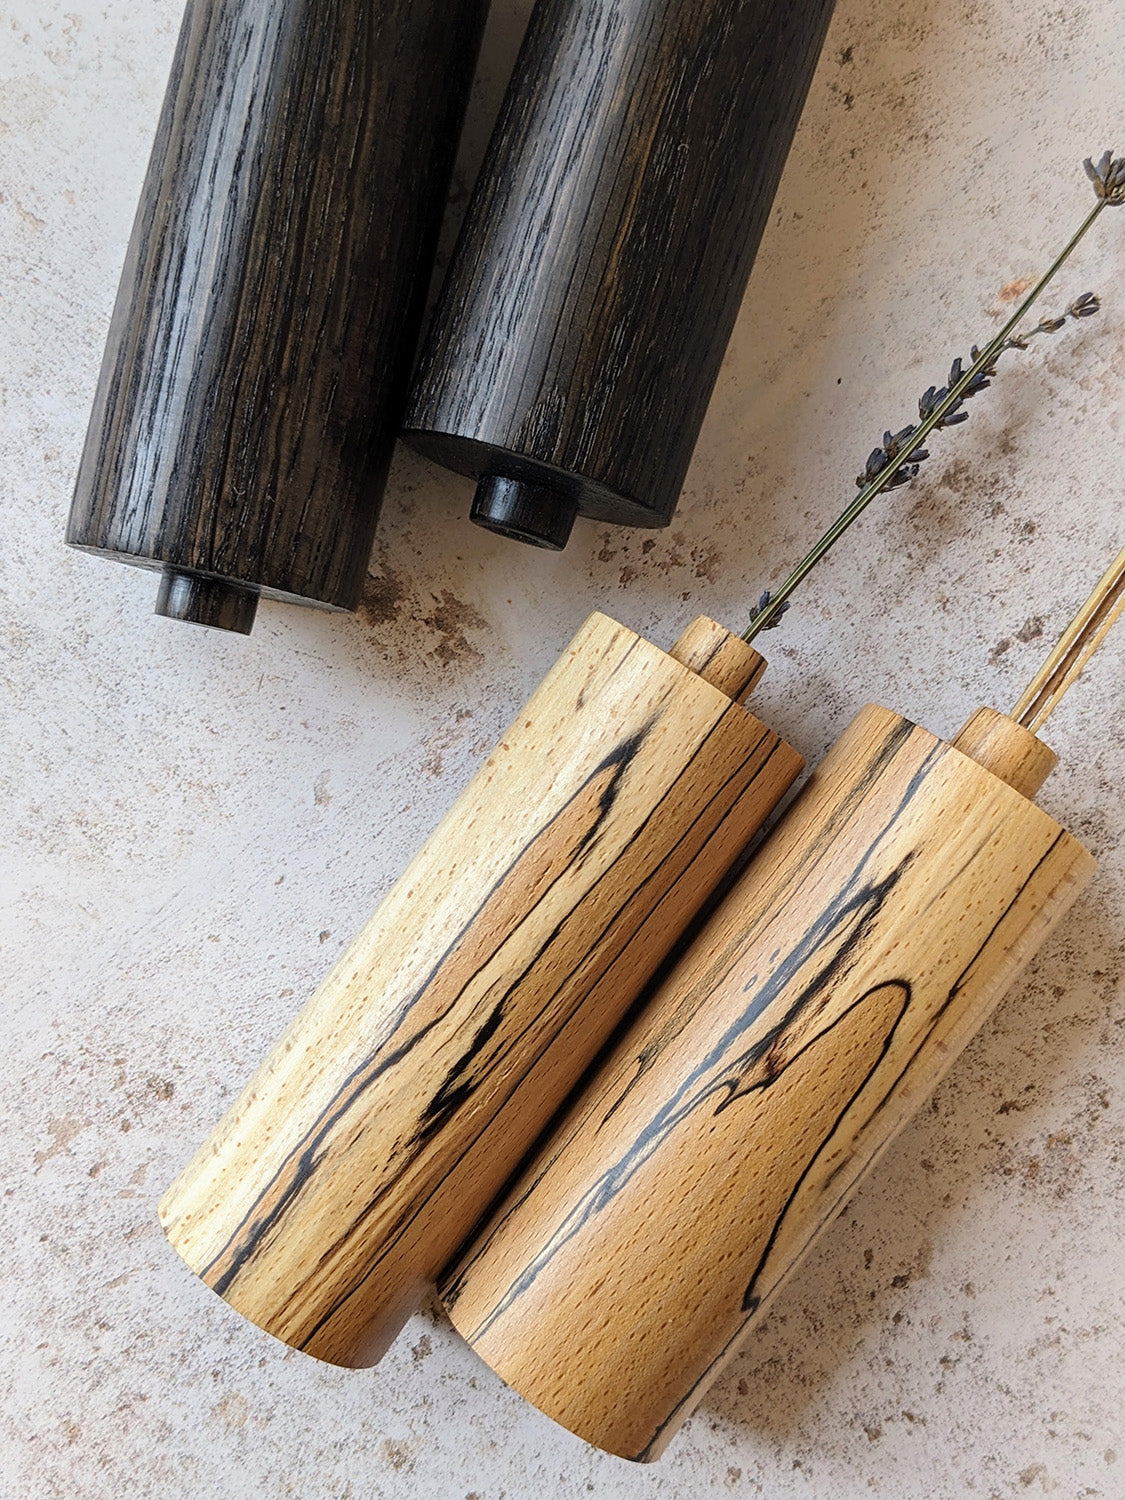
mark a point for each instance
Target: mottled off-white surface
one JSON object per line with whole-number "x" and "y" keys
{"x": 195, "y": 824}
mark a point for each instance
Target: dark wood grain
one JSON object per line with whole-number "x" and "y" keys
{"x": 815, "y": 1011}
{"x": 608, "y": 244}
{"x": 259, "y": 350}
{"x": 395, "y": 1109}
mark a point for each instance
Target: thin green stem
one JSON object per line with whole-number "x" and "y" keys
{"x": 770, "y": 613}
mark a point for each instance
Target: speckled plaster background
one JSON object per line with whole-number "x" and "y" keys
{"x": 194, "y": 825}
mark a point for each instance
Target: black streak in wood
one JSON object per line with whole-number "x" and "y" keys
{"x": 606, "y": 250}
{"x": 260, "y": 348}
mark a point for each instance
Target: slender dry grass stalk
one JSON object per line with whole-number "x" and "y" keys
{"x": 897, "y": 459}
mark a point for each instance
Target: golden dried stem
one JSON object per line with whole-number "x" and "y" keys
{"x": 1078, "y": 642}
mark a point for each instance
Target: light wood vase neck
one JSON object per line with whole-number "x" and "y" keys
{"x": 721, "y": 658}
{"x": 1007, "y": 749}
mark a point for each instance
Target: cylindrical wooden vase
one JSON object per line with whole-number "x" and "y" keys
{"x": 261, "y": 344}
{"x": 393, "y": 1111}
{"x": 827, "y": 995}
{"x": 605, "y": 253}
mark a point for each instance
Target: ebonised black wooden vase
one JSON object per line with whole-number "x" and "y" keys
{"x": 605, "y": 253}
{"x": 260, "y": 348}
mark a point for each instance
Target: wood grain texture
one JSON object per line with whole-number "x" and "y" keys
{"x": 720, "y": 657}
{"x": 259, "y": 351}
{"x": 393, "y": 1111}
{"x": 608, "y": 244}
{"x": 818, "y": 1007}
{"x": 1006, "y": 749}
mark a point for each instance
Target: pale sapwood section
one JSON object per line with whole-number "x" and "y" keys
{"x": 719, "y": 657}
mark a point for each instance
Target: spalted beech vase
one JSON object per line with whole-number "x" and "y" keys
{"x": 605, "y": 253}
{"x": 389, "y": 1117}
{"x": 826, "y": 996}
{"x": 260, "y": 348}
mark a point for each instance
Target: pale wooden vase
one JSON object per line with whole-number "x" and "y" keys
{"x": 389, "y": 1117}
{"x": 820, "y": 1004}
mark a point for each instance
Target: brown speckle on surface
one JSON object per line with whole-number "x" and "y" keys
{"x": 1001, "y": 649}
{"x": 1031, "y": 629}
{"x": 232, "y": 1411}
{"x": 450, "y": 618}
{"x": 705, "y": 563}
{"x": 383, "y": 596}
{"x": 918, "y": 1268}
{"x": 62, "y": 1132}
{"x": 398, "y": 1454}
{"x": 416, "y": 619}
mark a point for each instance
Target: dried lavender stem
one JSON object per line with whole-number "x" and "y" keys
{"x": 773, "y": 609}
{"x": 1077, "y": 644}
